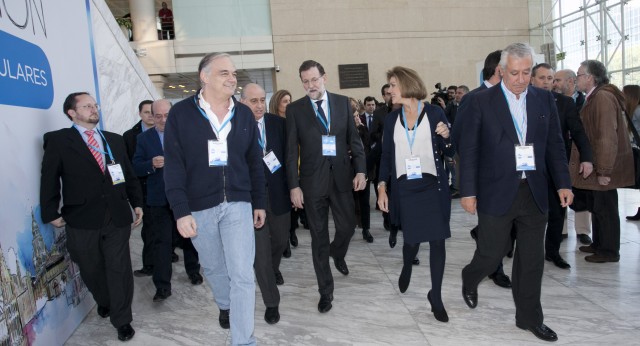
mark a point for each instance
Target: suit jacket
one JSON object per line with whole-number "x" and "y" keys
{"x": 87, "y": 192}
{"x": 276, "y": 133}
{"x": 148, "y": 146}
{"x": 304, "y": 139}
{"x": 579, "y": 101}
{"x": 130, "y": 137}
{"x": 487, "y": 156}
{"x": 572, "y": 128}
{"x": 457, "y": 127}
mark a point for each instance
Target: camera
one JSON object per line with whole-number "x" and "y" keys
{"x": 441, "y": 93}
{"x": 277, "y": 68}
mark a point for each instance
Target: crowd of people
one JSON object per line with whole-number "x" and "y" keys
{"x": 227, "y": 179}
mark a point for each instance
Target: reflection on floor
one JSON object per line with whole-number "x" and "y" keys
{"x": 591, "y": 304}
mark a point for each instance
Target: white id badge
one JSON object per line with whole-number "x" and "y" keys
{"x": 217, "y": 153}
{"x": 115, "y": 171}
{"x": 329, "y": 145}
{"x": 525, "y": 159}
{"x": 271, "y": 161}
{"x": 414, "y": 170}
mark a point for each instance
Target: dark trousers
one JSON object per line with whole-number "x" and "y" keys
{"x": 362, "y": 198}
{"x": 163, "y": 231}
{"x": 494, "y": 241}
{"x": 555, "y": 224}
{"x": 105, "y": 267}
{"x": 145, "y": 234}
{"x": 317, "y": 209}
{"x": 271, "y": 240}
{"x": 605, "y": 221}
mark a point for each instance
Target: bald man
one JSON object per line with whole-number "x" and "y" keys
{"x": 148, "y": 161}
{"x": 272, "y": 239}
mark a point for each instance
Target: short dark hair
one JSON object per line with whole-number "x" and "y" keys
{"x": 71, "y": 101}
{"x": 384, "y": 87}
{"x": 463, "y": 87}
{"x": 369, "y": 99}
{"x": 490, "y": 63}
{"x": 597, "y": 70}
{"x": 145, "y": 102}
{"x": 409, "y": 81}
{"x": 452, "y": 87}
{"x": 308, "y": 65}
{"x": 541, "y": 65}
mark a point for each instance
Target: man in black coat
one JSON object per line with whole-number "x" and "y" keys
{"x": 571, "y": 126}
{"x": 98, "y": 184}
{"x": 130, "y": 137}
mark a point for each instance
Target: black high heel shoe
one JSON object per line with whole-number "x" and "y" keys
{"x": 634, "y": 217}
{"x": 393, "y": 235}
{"x": 440, "y": 315}
{"x": 405, "y": 278}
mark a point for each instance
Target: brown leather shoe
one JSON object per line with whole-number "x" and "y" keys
{"x": 596, "y": 258}
{"x": 587, "y": 249}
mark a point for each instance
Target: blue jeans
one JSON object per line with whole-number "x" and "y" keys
{"x": 226, "y": 245}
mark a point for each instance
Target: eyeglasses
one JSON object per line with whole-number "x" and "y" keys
{"x": 89, "y": 106}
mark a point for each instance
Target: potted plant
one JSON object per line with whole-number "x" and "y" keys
{"x": 125, "y": 26}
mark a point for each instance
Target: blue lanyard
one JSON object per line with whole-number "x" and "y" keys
{"x": 411, "y": 139}
{"x": 217, "y": 132}
{"x": 519, "y": 131}
{"x": 261, "y": 139}
{"x": 106, "y": 144}
{"x": 325, "y": 124}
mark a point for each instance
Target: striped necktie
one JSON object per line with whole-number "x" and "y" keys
{"x": 93, "y": 146}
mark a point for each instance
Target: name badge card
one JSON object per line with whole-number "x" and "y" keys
{"x": 329, "y": 145}
{"x": 217, "y": 153}
{"x": 525, "y": 159}
{"x": 271, "y": 161}
{"x": 115, "y": 171}
{"x": 413, "y": 167}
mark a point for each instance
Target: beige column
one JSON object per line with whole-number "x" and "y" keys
{"x": 143, "y": 18}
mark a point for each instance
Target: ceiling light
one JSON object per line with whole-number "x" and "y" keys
{"x": 172, "y": 87}
{"x": 180, "y": 85}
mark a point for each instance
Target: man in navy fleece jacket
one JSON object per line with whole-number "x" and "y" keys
{"x": 214, "y": 179}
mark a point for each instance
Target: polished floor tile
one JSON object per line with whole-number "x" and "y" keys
{"x": 591, "y": 304}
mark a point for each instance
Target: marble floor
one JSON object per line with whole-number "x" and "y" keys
{"x": 591, "y": 304}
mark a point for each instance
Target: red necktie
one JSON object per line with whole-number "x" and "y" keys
{"x": 93, "y": 146}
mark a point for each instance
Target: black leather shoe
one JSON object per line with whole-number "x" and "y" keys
{"x": 174, "y": 257}
{"x": 195, "y": 278}
{"x": 510, "y": 254}
{"x": 366, "y": 235}
{"x": 287, "y": 252}
{"x": 634, "y": 217}
{"x": 293, "y": 238}
{"x": 558, "y": 261}
{"x": 474, "y": 233}
{"x": 440, "y": 315}
{"x": 341, "y": 265}
{"x": 416, "y": 261}
{"x": 405, "y": 278}
{"x": 325, "y": 302}
{"x": 501, "y": 280}
{"x": 541, "y": 332}
{"x": 585, "y": 239}
{"x": 279, "y": 279}
{"x": 223, "y": 319}
{"x": 125, "y": 332}
{"x": 161, "y": 294}
{"x": 393, "y": 237}
{"x": 596, "y": 258}
{"x": 103, "y": 311}
{"x": 386, "y": 226}
{"x": 272, "y": 316}
{"x": 470, "y": 297}
{"x": 565, "y": 236}
{"x": 145, "y": 271}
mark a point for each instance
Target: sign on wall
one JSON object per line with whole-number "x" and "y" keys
{"x": 46, "y": 52}
{"x": 353, "y": 76}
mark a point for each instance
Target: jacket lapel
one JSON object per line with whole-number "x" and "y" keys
{"x": 315, "y": 120}
{"x": 503, "y": 113}
{"x": 534, "y": 113}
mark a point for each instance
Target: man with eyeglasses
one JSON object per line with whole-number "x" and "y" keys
{"x": 98, "y": 183}
{"x": 148, "y": 162}
{"x": 322, "y": 132}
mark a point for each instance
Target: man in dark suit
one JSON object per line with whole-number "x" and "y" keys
{"x": 363, "y": 196}
{"x": 98, "y": 184}
{"x": 321, "y": 131}
{"x": 146, "y": 122}
{"x": 272, "y": 238}
{"x": 510, "y": 145}
{"x": 491, "y": 77}
{"x": 148, "y": 162}
{"x": 571, "y": 127}
{"x": 375, "y": 138}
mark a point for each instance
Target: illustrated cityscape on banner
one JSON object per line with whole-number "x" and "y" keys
{"x": 47, "y": 53}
